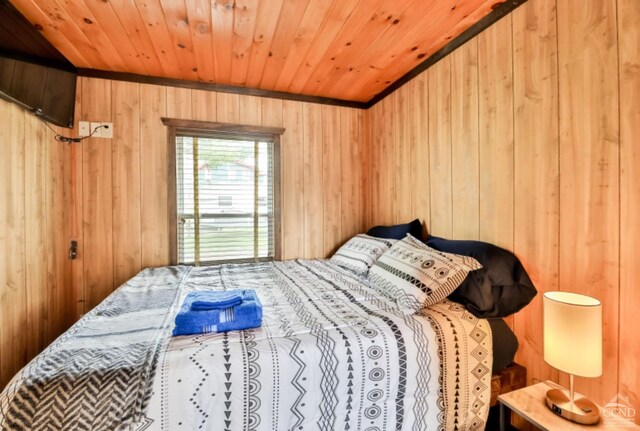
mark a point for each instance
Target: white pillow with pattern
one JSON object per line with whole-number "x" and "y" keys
{"x": 416, "y": 275}
{"x": 361, "y": 252}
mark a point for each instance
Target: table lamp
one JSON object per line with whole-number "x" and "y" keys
{"x": 573, "y": 344}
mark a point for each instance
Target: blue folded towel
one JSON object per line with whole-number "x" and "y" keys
{"x": 245, "y": 315}
{"x": 213, "y": 299}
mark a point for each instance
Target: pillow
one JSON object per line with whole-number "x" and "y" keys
{"x": 360, "y": 252}
{"x": 502, "y": 287}
{"x": 398, "y": 231}
{"x": 417, "y": 276}
{"x": 505, "y": 345}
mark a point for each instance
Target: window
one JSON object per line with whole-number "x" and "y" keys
{"x": 224, "y": 195}
{"x": 227, "y": 201}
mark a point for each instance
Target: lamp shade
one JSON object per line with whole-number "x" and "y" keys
{"x": 573, "y": 333}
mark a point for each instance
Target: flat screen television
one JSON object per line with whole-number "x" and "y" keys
{"x": 48, "y": 92}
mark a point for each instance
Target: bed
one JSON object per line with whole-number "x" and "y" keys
{"x": 332, "y": 354}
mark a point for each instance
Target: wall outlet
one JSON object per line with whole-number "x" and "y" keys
{"x": 107, "y": 130}
{"x": 93, "y": 126}
{"x": 102, "y": 129}
{"x": 83, "y": 129}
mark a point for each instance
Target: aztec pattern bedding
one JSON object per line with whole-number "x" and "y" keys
{"x": 332, "y": 354}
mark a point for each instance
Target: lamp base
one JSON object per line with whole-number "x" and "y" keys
{"x": 582, "y": 410}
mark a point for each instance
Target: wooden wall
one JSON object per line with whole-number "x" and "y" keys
{"x": 527, "y": 137}
{"x": 35, "y": 298}
{"x": 121, "y": 217}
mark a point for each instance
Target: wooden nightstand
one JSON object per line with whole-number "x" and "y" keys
{"x": 529, "y": 403}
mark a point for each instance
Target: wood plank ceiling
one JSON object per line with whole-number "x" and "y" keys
{"x": 343, "y": 49}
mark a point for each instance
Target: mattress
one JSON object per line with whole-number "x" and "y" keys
{"x": 332, "y": 354}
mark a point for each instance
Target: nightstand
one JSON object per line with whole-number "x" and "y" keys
{"x": 529, "y": 403}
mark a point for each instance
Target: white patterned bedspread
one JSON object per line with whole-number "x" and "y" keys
{"x": 332, "y": 354}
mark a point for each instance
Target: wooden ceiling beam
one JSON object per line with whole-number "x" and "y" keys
{"x": 221, "y": 88}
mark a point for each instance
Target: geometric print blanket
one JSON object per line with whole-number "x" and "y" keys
{"x": 98, "y": 374}
{"x": 332, "y": 354}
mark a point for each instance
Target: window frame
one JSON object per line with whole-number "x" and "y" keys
{"x": 214, "y": 129}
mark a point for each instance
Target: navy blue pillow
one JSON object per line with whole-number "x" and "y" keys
{"x": 398, "y": 231}
{"x": 500, "y": 288}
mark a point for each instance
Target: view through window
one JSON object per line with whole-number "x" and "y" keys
{"x": 225, "y": 199}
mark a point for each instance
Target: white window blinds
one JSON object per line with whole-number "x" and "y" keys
{"x": 225, "y": 199}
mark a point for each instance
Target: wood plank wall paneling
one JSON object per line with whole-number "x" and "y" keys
{"x": 12, "y": 236}
{"x": 440, "y": 217}
{"x": 536, "y": 157}
{"x": 495, "y": 81}
{"x": 76, "y": 217}
{"x": 204, "y": 105}
{"x": 589, "y": 169}
{"x": 292, "y": 178}
{"x": 154, "y": 175}
{"x": 126, "y": 187}
{"x": 629, "y": 70}
{"x": 312, "y": 142}
{"x": 123, "y": 179}
{"x": 35, "y": 177}
{"x": 354, "y": 159}
{"x": 97, "y": 197}
{"x": 331, "y": 183}
{"x": 60, "y": 296}
{"x": 111, "y": 196}
{"x": 404, "y": 158}
{"x": 419, "y": 86}
{"x": 35, "y": 299}
{"x": 382, "y": 174}
{"x": 527, "y": 138}
{"x": 465, "y": 142}
{"x": 375, "y": 190}
{"x": 228, "y": 109}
